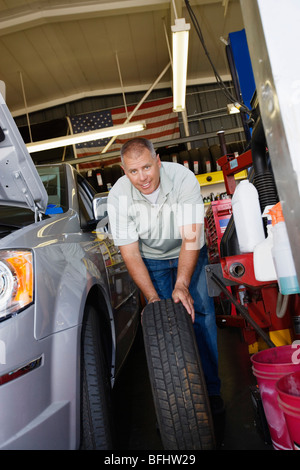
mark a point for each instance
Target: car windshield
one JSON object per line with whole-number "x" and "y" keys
{"x": 54, "y": 180}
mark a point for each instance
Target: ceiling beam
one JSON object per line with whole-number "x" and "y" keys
{"x": 20, "y": 19}
{"x": 111, "y": 91}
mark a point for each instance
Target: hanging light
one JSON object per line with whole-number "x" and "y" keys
{"x": 180, "y": 35}
{"x": 86, "y": 136}
{"x": 233, "y": 108}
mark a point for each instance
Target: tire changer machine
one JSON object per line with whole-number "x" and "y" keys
{"x": 265, "y": 317}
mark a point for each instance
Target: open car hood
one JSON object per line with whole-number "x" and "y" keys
{"x": 20, "y": 184}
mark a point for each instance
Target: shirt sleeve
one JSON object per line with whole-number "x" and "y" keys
{"x": 190, "y": 201}
{"x": 122, "y": 226}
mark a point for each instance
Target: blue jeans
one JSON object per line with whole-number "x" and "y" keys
{"x": 163, "y": 274}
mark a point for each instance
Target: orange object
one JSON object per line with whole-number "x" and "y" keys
{"x": 21, "y": 265}
{"x": 276, "y": 213}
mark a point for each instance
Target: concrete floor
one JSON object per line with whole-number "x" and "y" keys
{"x": 136, "y": 421}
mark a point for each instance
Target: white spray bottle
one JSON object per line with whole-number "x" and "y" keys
{"x": 264, "y": 268}
{"x": 282, "y": 254}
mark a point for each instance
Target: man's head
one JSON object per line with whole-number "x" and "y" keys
{"x": 141, "y": 164}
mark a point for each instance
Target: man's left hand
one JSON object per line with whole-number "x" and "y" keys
{"x": 182, "y": 294}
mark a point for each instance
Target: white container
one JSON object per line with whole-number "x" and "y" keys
{"x": 247, "y": 216}
{"x": 283, "y": 260}
{"x": 264, "y": 268}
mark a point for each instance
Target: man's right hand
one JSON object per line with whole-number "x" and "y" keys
{"x": 182, "y": 294}
{"x": 153, "y": 299}
{"x": 138, "y": 271}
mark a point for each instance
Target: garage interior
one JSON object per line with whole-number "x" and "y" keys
{"x": 61, "y": 61}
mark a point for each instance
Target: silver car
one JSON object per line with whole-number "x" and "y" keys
{"x": 68, "y": 309}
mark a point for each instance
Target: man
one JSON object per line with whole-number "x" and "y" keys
{"x": 156, "y": 215}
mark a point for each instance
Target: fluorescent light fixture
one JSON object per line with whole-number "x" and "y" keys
{"x": 86, "y": 136}
{"x": 180, "y": 34}
{"x": 233, "y": 108}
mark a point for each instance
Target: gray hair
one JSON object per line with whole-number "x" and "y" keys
{"x": 136, "y": 146}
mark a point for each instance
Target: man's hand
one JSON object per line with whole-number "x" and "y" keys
{"x": 154, "y": 298}
{"x": 138, "y": 271}
{"x": 188, "y": 258}
{"x": 182, "y": 294}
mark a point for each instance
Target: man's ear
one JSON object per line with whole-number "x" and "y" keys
{"x": 158, "y": 160}
{"x": 123, "y": 168}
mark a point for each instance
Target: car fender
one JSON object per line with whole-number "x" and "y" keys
{"x": 63, "y": 286}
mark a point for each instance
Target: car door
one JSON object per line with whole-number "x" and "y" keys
{"x": 123, "y": 293}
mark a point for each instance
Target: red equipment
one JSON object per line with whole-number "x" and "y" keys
{"x": 253, "y": 304}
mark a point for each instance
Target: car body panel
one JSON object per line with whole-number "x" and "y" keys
{"x": 75, "y": 263}
{"x": 40, "y": 409}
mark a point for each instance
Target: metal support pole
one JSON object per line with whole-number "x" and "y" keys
{"x": 121, "y": 81}
{"x": 138, "y": 106}
{"x": 25, "y": 104}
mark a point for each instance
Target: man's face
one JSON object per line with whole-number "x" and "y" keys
{"x": 143, "y": 171}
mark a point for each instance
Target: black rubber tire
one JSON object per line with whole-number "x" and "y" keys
{"x": 117, "y": 172}
{"x": 216, "y": 153}
{"x": 176, "y": 376}
{"x": 96, "y": 408}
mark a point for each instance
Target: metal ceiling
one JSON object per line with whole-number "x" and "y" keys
{"x": 54, "y": 52}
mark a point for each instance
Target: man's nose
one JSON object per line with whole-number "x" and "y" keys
{"x": 142, "y": 175}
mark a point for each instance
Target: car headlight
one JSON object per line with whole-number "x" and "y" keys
{"x": 16, "y": 281}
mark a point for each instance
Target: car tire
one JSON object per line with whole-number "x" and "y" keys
{"x": 96, "y": 408}
{"x": 176, "y": 376}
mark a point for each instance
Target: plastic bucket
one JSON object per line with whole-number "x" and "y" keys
{"x": 288, "y": 388}
{"x": 268, "y": 367}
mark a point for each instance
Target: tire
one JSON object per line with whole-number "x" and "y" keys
{"x": 96, "y": 409}
{"x": 117, "y": 172}
{"x": 216, "y": 153}
{"x": 184, "y": 157}
{"x": 176, "y": 376}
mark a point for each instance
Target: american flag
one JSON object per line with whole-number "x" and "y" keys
{"x": 161, "y": 125}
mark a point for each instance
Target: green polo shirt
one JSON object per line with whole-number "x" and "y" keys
{"x": 156, "y": 226}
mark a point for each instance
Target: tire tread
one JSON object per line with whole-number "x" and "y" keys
{"x": 176, "y": 376}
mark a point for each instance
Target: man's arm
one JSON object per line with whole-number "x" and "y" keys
{"x": 138, "y": 271}
{"x": 187, "y": 261}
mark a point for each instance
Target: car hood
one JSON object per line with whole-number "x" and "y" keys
{"x": 20, "y": 184}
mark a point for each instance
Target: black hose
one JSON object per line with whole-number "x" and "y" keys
{"x": 263, "y": 176}
{"x": 243, "y": 311}
{"x": 258, "y": 146}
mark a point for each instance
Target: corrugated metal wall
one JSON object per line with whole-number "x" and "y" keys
{"x": 205, "y": 107}
{"x": 207, "y": 113}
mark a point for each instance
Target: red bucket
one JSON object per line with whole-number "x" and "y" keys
{"x": 268, "y": 367}
{"x": 288, "y": 388}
